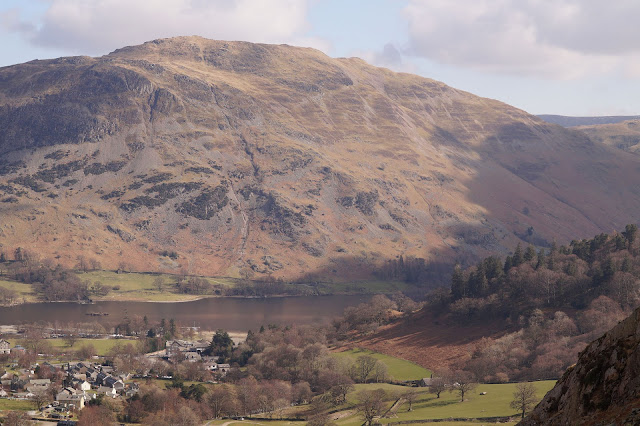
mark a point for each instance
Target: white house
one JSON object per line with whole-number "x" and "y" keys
{"x": 76, "y": 399}
{"x": 105, "y": 390}
{"x": 118, "y": 385}
{"x": 5, "y": 347}
{"x": 84, "y": 386}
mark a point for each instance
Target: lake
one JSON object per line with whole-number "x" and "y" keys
{"x": 231, "y": 314}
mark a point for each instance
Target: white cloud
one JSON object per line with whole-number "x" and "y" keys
{"x": 390, "y": 56}
{"x": 91, "y": 27}
{"x": 563, "y": 39}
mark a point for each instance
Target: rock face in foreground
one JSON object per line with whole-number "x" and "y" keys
{"x": 602, "y": 388}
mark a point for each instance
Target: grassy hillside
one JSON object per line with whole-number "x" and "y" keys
{"x": 494, "y": 403}
{"x": 399, "y": 369}
{"x": 624, "y": 135}
{"x": 218, "y": 158}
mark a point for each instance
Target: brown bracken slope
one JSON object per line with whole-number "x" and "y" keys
{"x": 431, "y": 341}
{"x": 624, "y": 135}
{"x": 264, "y": 159}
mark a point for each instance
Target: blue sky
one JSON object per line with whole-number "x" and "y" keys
{"x": 570, "y": 57}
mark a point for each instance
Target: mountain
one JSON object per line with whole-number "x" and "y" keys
{"x": 567, "y": 121}
{"x": 624, "y": 135}
{"x": 233, "y": 158}
{"x": 602, "y": 388}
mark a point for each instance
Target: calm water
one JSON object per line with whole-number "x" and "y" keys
{"x": 232, "y": 314}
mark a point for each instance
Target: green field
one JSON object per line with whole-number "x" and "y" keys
{"x": 399, "y": 369}
{"x": 139, "y": 286}
{"x": 102, "y": 346}
{"x": 15, "y": 405}
{"x": 427, "y": 406}
{"x": 136, "y": 286}
{"x": 24, "y": 291}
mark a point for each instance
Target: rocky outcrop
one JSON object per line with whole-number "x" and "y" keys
{"x": 603, "y": 388}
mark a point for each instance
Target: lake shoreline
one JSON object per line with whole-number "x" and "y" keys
{"x": 194, "y": 299}
{"x": 229, "y": 313}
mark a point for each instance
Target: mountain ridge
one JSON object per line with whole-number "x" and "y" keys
{"x": 262, "y": 160}
{"x": 572, "y": 121}
{"x": 624, "y": 135}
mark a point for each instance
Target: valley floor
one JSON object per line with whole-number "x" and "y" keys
{"x": 142, "y": 287}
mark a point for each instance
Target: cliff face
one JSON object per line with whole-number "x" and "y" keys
{"x": 276, "y": 160}
{"x": 602, "y": 388}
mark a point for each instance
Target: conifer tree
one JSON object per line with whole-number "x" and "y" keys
{"x": 630, "y": 233}
{"x": 518, "y": 257}
{"x": 458, "y": 284}
{"x": 508, "y": 264}
{"x": 541, "y": 263}
{"x": 529, "y": 253}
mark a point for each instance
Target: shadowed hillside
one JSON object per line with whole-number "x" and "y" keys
{"x": 249, "y": 159}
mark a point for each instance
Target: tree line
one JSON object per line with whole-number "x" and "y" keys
{"x": 569, "y": 276}
{"x": 554, "y": 300}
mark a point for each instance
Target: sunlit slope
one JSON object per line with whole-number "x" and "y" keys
{"x": 229, "y": 158}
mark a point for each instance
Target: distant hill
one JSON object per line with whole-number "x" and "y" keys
{"x": 240, "y": 159}
{"x": 624, "y": 135}
{"x": 567, "y": 121}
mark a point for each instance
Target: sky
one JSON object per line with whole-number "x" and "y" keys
{"x": 568, "y": 57}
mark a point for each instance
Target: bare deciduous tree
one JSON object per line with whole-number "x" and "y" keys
{"x": 372, "y": 404}
{"x": 70, "y": 339}
{"x": 437, "y": 386}
{"x": 218, "y": 399}
{"x": 410, "y": 396}
{"x": 380, "y": 372}
{"x": 39, "y": 399}
{"x": 158, "y": 283}
{"x": 524, "y": 398}
{"x": 15, "y": 418}
{"x": 463, "y": 382}
{"x": 362, "y": 368}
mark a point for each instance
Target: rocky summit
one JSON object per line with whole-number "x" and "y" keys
{"x": 232, "y": 158}
{"x": 602, "y": 388}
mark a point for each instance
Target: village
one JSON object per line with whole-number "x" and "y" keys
{"x": 60, "y": 390}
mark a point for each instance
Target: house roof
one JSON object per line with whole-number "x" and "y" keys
{"x": 65, "y": 397}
